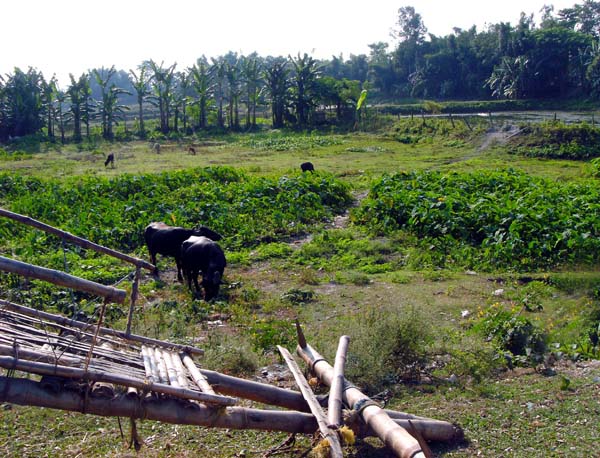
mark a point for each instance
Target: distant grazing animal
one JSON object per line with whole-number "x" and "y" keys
{"x": 307, "y": 167}
{"x": 201, "y": 254}
{"x": 166, "y": 240}
{"x": 192, "y": 150}
{"x": 156, "y": 148}
{"x": 110, "y": 159}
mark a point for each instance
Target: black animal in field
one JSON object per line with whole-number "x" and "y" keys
{"x": 203, "y": 255}
{"x": 307, "y": 167}
{"x": 110, "y": 159}
{"x": 166, "y": 240}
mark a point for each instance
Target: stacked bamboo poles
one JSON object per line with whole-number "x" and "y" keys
{"x": 393, "y": 435}
{"x": 335, "y": 405}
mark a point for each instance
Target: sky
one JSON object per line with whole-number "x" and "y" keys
{"x": 58, "y": 37}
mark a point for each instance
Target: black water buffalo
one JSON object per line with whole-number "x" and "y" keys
{"x": 201, "y": 254}
{"x": 110, "y": 159}
{"x": 307, "y": 167}
{"x": 166, "y": 240}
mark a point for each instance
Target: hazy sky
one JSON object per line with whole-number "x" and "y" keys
{"x": 71, "y": 36}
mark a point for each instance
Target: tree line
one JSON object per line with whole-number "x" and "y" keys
{"x": 559, "y": 57}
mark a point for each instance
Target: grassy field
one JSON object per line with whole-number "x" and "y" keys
{"x": 514, "y": 408}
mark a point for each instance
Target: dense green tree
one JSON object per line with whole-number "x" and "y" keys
{"x": 276, "y": 74}
{"x": 201, "y": 82}
{"x": 304, "y": 80}
{"x": 140, "y": 83}
{"x": 251, "y": 76}
{"x": 23, "y": 109}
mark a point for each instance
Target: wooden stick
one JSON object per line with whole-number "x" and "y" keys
{"x": 62, "y": 279}
{"x": 334, "y": 412}
{"x": 315, "y": 407}
{"x": 101, "y": 376}
{"x": 134, "y": 295}
{"x": 106, "y": 331}
{"x": 394, "y": 436}
{"x": 76, "y": 240}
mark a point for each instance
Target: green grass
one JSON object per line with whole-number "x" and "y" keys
{"x": 329, "y": 282}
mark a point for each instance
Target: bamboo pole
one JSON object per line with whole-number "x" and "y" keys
{"x": 171, "y": 371}
{"x": 180, "y": 370}
{"x": 62, "y": 279}
{"x": 162, "y": 367}
{"x": 334, "y": 409}
{"x": 197, "y": 375}
{"x": 394, "y": 436}
{"x": 148, "y": 362}
{"x": 118, "y": 379}
{"x": 134, "y": 295}
{"x": 30, "y": 393}
{"x": 105, "y": 331}
{"x": 40, "y": 355}
{"x": 315, "y": 407}
{"x": 76, "y": 240}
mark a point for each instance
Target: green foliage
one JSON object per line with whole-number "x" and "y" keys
{"x": 266, "y": 333}
{"x": 289, "y": 142}
{"x": 558, "y": 140}
{"x": 512, "y": 332}
{"x": 488, "y": 219}
{"x": 595, "y": 163}
{"x": 229, "y": 354}
{"x": 297, "y": 296}
{"x": 387, "y": 346}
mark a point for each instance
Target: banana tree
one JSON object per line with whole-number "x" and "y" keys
{"x": 201, "y": 82}
{"x": 142, "y": 91}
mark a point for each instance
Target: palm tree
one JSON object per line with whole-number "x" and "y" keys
{"x": 110, "y": 110}
{"x": 203, "y": 87}
{"x": 277, "y": 84}
{"x": 142, "y": 91}
{"x": 218, "y": 72}
{"x": 232, "y": 73}
{"x": 305, "y": 76}
{"x": 49, "y": 91}
{"x": 76, "y": 93}
{"x": 251, "y": 75}
{"x": 162, "y": 82}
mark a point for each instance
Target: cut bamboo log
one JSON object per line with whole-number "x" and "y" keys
{"x": 62, "y": 279}
{"x": 197, "y": 375}
{"x": 104, "y": 331}
{"x": 180, "y": 370}
{"x": 97, "y": 376}
{"x": 335, "y": 405}
{"x": 170, "y": 366}
{"x": 147, "y": 356}
{"x": 161, "y": 366}
{"x": 134, "y": 295}
{"x": 315, "y": 407}
{"x": 74, "y": 239}
{"x": 394, "y": 436}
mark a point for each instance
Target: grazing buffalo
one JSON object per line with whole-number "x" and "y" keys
{"x": 110, "y": 159}
{"x": 166, "y": 240}
{"x": 307, "y": 167}
{"x": 192, "y": 150}
{"x": 201, "y": 254}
